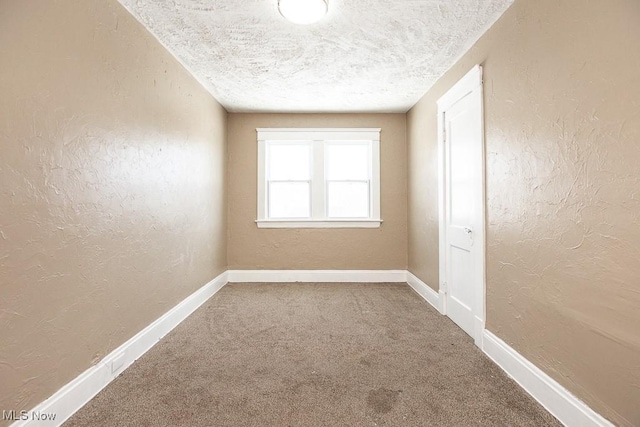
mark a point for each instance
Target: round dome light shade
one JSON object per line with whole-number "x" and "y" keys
{"x": 303, "y": 12}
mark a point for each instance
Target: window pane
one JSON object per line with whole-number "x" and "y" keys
{"x": 348, "y": 199}
{"x": 347, "y": 161}
{"x": 289, "y": 200}
{"x": 289, "y": 161}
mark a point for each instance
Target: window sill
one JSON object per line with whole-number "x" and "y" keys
{"x": 314, "y": 223}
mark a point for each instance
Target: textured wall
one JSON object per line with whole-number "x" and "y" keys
{"x": 112, "y": 199}
{"x": 422, "y": 209}
{"x": 562, "y": 117}
{"x": 316, "y": 249}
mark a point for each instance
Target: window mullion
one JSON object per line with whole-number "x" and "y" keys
{"x": 317, "y": 181}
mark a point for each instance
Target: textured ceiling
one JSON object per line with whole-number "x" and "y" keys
{"x": 364, "y": 56}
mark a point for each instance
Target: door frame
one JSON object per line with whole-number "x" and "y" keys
{"x": 472, "y": 81}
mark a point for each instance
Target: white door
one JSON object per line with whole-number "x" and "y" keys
{"x": 462, "y": 210}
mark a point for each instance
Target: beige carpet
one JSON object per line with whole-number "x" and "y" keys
{"x": 314, "y": 355}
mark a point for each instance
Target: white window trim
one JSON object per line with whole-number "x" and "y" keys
{"x": 319, "y": 136}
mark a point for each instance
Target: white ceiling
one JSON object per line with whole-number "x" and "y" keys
{"x": 364, "y": 56}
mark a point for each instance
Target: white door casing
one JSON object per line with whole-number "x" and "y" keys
{"x": 461, "y": 189}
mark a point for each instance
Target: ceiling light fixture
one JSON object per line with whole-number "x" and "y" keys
{"x": 303, "y": 12}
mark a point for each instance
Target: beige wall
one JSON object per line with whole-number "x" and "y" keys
{"x": 562, "y": 117}
{"x": 112, "y": 189}
{"x": 422, "y": 209}
{"x": 316, "y": 249}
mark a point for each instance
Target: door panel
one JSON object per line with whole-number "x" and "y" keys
{"x": 461, "y": 145}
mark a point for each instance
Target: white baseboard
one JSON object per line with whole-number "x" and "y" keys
{"x": 567, "y": 408}
{"x": 478, "y": 330}
{"x": 425, "y": 291}
{"x": 570, "y": 410}
{"x": 288, "y": 276}
{"x": 73, "y": 396}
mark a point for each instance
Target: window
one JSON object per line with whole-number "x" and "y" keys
{"x": 316, "y": 178}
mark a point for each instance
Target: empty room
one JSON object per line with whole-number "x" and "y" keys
{"x": 320, "y": 213}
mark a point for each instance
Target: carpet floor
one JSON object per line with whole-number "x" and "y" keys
{"x": 314, "y": 355}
